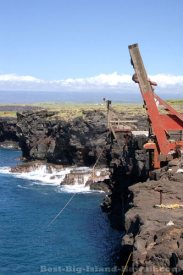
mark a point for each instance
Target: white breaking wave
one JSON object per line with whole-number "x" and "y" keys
{"x": 44, "y": 176}
{"x": 78, "y": 188}
{"x": 7, "y": 146}
{"x": 5, "y": 170}
{"x": 41, "y": 174}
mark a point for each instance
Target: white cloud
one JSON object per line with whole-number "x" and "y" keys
{"x": 101, "y": 81}
{"x": 164, "y": 80}
{"x": 113, "y": 81}
{"x": 17, "y": 78}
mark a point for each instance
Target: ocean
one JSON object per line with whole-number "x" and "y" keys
{"x": 79, "y": 241}
{"x": 28, "y": 97}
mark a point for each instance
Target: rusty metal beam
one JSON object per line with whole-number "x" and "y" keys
{"x": 163, "y": 147}
{"x": 148, "y": 96}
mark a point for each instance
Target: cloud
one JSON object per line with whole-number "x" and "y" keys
{"x": 108, "y": 82}
{"x": 100, "y": 81}
{"x": 165, "y": 80}
{"x": 17, "y": 78}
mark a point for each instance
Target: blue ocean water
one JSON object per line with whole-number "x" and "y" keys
{"x": 80, "y": 241}
{"x": 27, "y": 97}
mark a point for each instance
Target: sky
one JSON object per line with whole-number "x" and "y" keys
{"x": 80, "y": 45}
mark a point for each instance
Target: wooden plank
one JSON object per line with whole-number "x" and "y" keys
{"x": 139, "y": 68}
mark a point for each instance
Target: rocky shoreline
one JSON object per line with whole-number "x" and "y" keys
{"x": 130, "y": 194}
{"x": 66, "y": 175}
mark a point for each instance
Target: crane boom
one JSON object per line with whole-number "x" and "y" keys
{"x": 161, "y": 123}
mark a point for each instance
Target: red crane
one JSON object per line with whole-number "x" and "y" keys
{"x": 166, "y": 124}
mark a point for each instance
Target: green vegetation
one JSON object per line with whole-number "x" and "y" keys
{"x": 177, "y": 104}
{"x": 68, "y": 111}
{"x": 7, "y": 114}
{"x": 175, "y": 101}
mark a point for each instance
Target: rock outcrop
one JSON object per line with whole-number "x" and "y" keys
{"x": 79, "y": 141}
{"x": 155, "y": 234}
{"x": 8, "y": 132}
{"x": 129, "y": 164}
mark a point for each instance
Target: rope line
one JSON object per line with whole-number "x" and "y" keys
{"x": 126, "y": 263}
{"x": 93, "y": 169}
{"x": 98, "y": 158}
{"x": 121, "y": 149}
{"x": 75, "y": 193}
{"x": 61, "y": 210}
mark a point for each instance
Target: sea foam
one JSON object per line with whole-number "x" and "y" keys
{"x": 55, "y": 177}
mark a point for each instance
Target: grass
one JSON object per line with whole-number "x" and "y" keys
{"x": 68, "y": 111}
{"x": 175, "y": 101}
{"x": 177, "y": 104}
{"x": 7, "y": 114}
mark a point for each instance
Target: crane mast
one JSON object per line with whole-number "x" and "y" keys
{"x": 164, "y": 120}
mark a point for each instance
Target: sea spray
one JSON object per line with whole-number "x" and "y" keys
{"x": 68, "y": 179}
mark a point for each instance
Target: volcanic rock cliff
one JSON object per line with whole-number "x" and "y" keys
{"x": 8, "y": 132}
{"x": 154, "y": 233}
{"x": 79, "y": 141}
